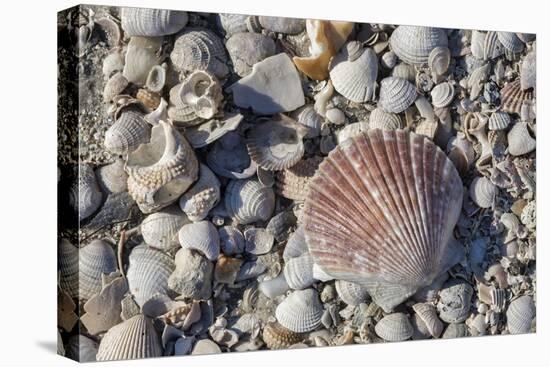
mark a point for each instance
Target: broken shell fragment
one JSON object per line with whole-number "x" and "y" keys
{"x": 202, "y": 196}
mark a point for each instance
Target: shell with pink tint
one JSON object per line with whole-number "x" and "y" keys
{"x": 380, "y": 212}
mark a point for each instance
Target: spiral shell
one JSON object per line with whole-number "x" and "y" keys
{"x": 248, "y": 201}
{"x": 352, "y": 294}
{"x": 292, "y": 183}
{"x": 202, "y": 196}
{"x": 380, "y": 119}
{"x": 299, "y": 271}
{"x": 513, "y": 97}
{"x": 353, "y": 72}
{"x": 159, "y": 229}
{"x": 356, "y": 205}
{"x": 128, "y": 132}
{"x": 135, "y": 338}
{"x": 528, "y": 73}
{"x": 301, "y": 311}
{"x": 510, "y": 41}
{"x": 231, "y": 240}
{"x": 85, "y": 196}
{"x": 141, "y": 55}
{"x": 277, "y": 336}
{"x": 442, "y": 95}
{"x": 520, "y": 315}
{"x": 148, "y": 273}
{"x": 152, "y": 22}
{"x": 247, "y": 49}
{"x": 413, "y": 44}
{"x": 499, "y": 120}
{"x": 428, "y": 315}
{"x": 67, "y": 264}
{"x": 95, "y": 259}
{"x": 201, "y": 236}
{"x": 394, "y": 327}
{"x": 396, "y": 94}
{"x": 114, "y": 86}
{"x": 520, "y": 141}
{"x": 483, "y": 192}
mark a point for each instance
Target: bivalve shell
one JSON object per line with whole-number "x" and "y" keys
{"x": 112, "y": 178}
{"x": 413, "y": 44}
{"x": 428, "y": 314}
{"x": 277, "y": 336}
{"x": 510, "y": 41}
{"x": 231, "y": 240}
{"x": 301, "y": 311}
{"x": 159, "y": 229}
{"x": 156, "y": 79}
{"x": 520, "y": 141}
{"x": 520, "y": 314}
{"x": 292, "y": 183}
{"x": 396, "y": 94}
{"x": 152, "y": 22}
{"x": 299, "y": 271}
{"x": 352, "y": 294}
{"x": 380, "y": 119}
{"x": 442, "y": 95}
{"x": 114, "y": 86}
{"x": 85, "y": 195}
{"x": 528, "y": 73}
{"x": 308, "y": 117}
{"x": 201, "y": 236}
{"x": 67, "y": 264}
{"x": 141, "y": 55}
{"x": 513, "y": 97}
{"x": 248, "y": 201}
{"x": 259, "y": 241}
{"x": 296, "y": 245}
{"x": 394, "y": 327}
{"x": 499, "y": 120}
{"x": 95, "y": 259}
{"x": 483, "y": 192}
{"x": 229, "y": 157}
{"x": 439, "y": 60}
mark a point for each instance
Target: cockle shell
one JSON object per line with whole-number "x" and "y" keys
{"x": 232, "y": 23}
{"x": 282, "y": 25}
{"x": 95, "y": 259}
{"x": 520, "y": 141}
{"x": 202, "y": 92}
{"x": 368, "y": 197}
{"x": 510, "y": 41}
{"x": 152, "y": 22}
{"x": 277, "y": 143}
{"x": 112, "y": 178}
{"x": 438, "y": 61}
{"x": 528, "y": 73}
{"x": 141, "y": 55}
{"x": 428, "y": 315}
{"x": 520, "y": 314}
{"x": 292, "y": 183}
{"x": 404, "y": 71}
{"x": 413, "y": 44}
{"x": 135, "y": 338}
{"x": 231, "y": 240}
{"x": 229, "y": 157}
{"x": 396, "y": 94}
{"x": 483, "y": 192}
{"x": 128, "y": 132}
{"x": 248, "y": 201}
{"x": 85, "y": 196}
{"x": 442, "y": 94}
{"x": 247, "y": 49}
{"x": 513, "y": 97}
{"x": 202, "y": 196}
{"x": 161, "y": 170}
{"x": 353, "y": 72}
{"x": 388, "y": 60}
{"x": 199, "y": 49}
{"x": 308, "y": 117}
{"x": 160, "y": 229}
{"x": 156, "y": 79}
{"x": 492, "y": 48}
{"x": 300, "y": 311}
{"x": 299, "y": 271}
{"x": 258, "y": 241}
{"x": 499, "y": 120}
{"x": 455, "y": 301}
{"x": 67, "y": 264}
{"x": 352, "y": 294}
{"x": 394, "y": 327}
{"x": 148, "y": 273}
{"x": 380, "y": 119}
{"x": 192, "y": 277}
{"x": 277, "y": 336}
{"x": 201, "y": 236}
{"x": 114, "y": 86}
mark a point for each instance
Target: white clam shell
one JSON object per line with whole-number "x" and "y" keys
{"x": 85, "y": 195}
{"x": 156, "y": 79}
{"x": 394, "y": 327}
{"x": 148, "y": 273}
{"x": 248, "y": 201}
{"x": 428, "y": 315}
{"x": 353, "y": 72}
{"x": 160, "y": 229}
{"x": 511, "y": 41}
{"x": 520, "y": 141}
{"x": 152, "y": 22}
{"x": 192, "y": 277}
{"x": 67, "y": 264}
{"x": 112, "y": 178}
{"x": 201, "y": 236}
{"x": 298, "y": 271}
{"x": 520, "y": 314}
{"x": 141, "y": 55}
{"x": 114, "y": 86}
{"x": 404, "y": 71}
{"x": 396, "y": 94}
{"x": 483, "y": 192}
{"x": 442, "y": 95}
{"x": 95, "y": 259}
{"x": 308, "y": 117}
{"x": 202, "y": 196}
{"x": 135, "y": 338}
{"x": 128, "y": 132}
{"x": 301, "y": 311}
{"x": 259, "y": 241}
{"x": 351, "y": 293}
{"x": 499, "y": 120}
{"x": 380, "y": 119}
{"x": 413, "y": 44}
{"x": 231, "y": 240}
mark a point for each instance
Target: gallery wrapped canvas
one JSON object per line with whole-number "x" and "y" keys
{"x": 232, "y": 183}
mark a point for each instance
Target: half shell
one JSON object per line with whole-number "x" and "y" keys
{"x": 520, "y": 141}
{"x": 231, "y": 240}
{"x": 499, "y": 120}
{"x": 229, "y": 157}
{"x": 413, "y": 44}
{"x": 428, "y": 315}
{"x": 277, "y": 336}
{"x": 520, "y": 315}
{"x": 510, "y": 41}
{"x": 248, "y": 201}
{"x": 394, "y": 327}
{"x": 352, "y": 294}
{"x": 95, "y": 259}
{"x": 299, "y": 271}
{"x": 301, "y": 311}
{"x": 483, "y": 192}
{"x": 152, "y": 22}
{"x": 202, "y": 237}
{"x": 513, "y": 97}
{"x": 159, "y": 229}
{"x": 396, "y": 94}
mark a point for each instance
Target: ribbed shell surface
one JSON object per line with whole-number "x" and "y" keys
{"x": 198, "y": 49}
{"x": 148, "y": 273}
{"x": 160, "y": 229}
{"x": 299, "y": 271}
{"x": 520, "y": 315}
{"x": 95, "y": 259}
{"x": 85, "y": 195}
{"x": 296, "y": 245}
{"x": 248, "y": 201}
{"x": 301, "y": 311}
{"x": 276, "y": 336}
{"x": 380, "y": 119}
{"x": 292, "y": 182}
{"x": 413, "y": 44}
{"x": 394, "y": 327}
{"x": 67, "y": 264}
{"x": 127, "y": 133}
{"x": 513, "y": 97}
{"x": 135, "y": 338}
{"x": 499, "y": 120}
{"x": 396, "y": 94}
{"x": 152, "y": 22}
{"x": 442, "y": 94}
{"x": 351, "y": 293}
{"x": 382, "y": 206}
{"x": 510, "y": 41}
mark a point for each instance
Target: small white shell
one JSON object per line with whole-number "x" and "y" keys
{"x": 442, "y": 95}
{"x": 128, "y": 132}
{"x": 156, "y": 79}
{"x": 114, "y": 86}
{"x": 201, "y": 236}
{"x": 520, "y": 314}
{"x": 141, "y": 55}
{"x": 95, "y": 259}
{"x": 259, "y": 241}
{"x": 152, "y": 22}
{"x": 85, "y": 196}
{"x": 301, "y": 311}
{"x": 396, "y": 94}
{"x": 248, "y": 201}
{"x": 159, "y": 229}
{"x": 520, "y": 141}
{"x": 308, "y": 117}
{"x": 499, "y": 120}
{"x": 380, "y": 119}
{"x": 483, "y": 192}
{"x": 352, "y": 294}
{"x": 510, "y": 41}
{"x": 67, "y": 263}
{"x": 298, "y": 271}
{"x": 202, "y": 196}
{"x": 439, "y": 60}
{"x": 428, "y": 315}
{"x": 394, "y": 327}
{"x": 231, "y": 240}
{"x": 413, "y": 44}
{"x": 112, "y": 178}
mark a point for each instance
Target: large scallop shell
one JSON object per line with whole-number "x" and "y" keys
{"x": 141, "y": 55}
{"x": 394, "y": 327}
{"x": 67, "y": 264}
{"x": 148, "y": 273}
{"x": 396, "y": 94}
{"x": 510, "y": 41}
{"x": 352, "y": 294}
{"x": 135, "y": 338}
{"x": 247, "y": 49}
{"x": 301, "y": 311}
{"x": 299, "y": 271}
{"x": 380, "y": 119}
{"x": 442, "y": 95}
{"x": 513, "y": 97}
{"x": 248, "y": 201}
{"x": 292, "y": 183}
{"x": 277, "y": 143}
{"x": 353, "y": 72}
{"x": 376, "y": 214}
{"x": 128, "y": 132}
{"x": 520, "y": 141}
{"x": 413, "y": 44}
{"x": 95, "y": 259}
{"x": 202, "y": 196}
{"x": 201, "y": 236}
{"x": 277, "y": 336}
{"x": 160, "y": 171}
{"x": 85, "y": 195}
{"x": 160, "y": 229}
{"x": 152, "y": 22}
{"x": 520, "y": 314}
{"x": 528, "y": 73}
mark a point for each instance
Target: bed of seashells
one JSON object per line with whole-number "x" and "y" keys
{"x": 214, "y": 219}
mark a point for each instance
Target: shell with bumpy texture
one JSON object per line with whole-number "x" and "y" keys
{"x": 85, "y": 196}
{"x": 513, "y": 97}
{"x": 276, "y": 144}
{"x": 202, "y": 196}
{"x": 148, "y": 273}
{"x": 159, "y": 229}
{"x": 520, "y": 314}
{"x": 455, "y": 301}
{"x": 299, "y": 271}
{"x": 396, "y": 94}
{"x": 160, "y": 171}
{"x": 67, "y": 264}
{"x": 353, "y": 72}
{"x": 510, "y": 41}
{"x": 442, "y": 95}
{"x": 141, "y": 55}
{"x": 277, "y": 336}
{"x": 352, "y": 294}
{"x": 135, "y": 338}
{"x": 413, "y": 44}
{"x": 499, "y": 120}
{"x": 229, "y": 157}
{"x": 292, "y": 183}
{"x": 528, "y": 73}
{"x": 483, "y": 192}
{"x": 428, "y": 314}
{"x": 128, "y": 132}
{"x": 114, "y": 86}
{"x": 152, "y": 22}
{"x": 380, "y": 119}
{"x": 380, "y": 212}
{"x": 247, "y": 49}
{"x": 201, "y": 236}
{"x": 308, "y": 117}
{"x": 301, "y": 311}
{"x": 95, "y": 259}
{"x": 199, "y": 49}
{"x": 394, "y": 327}
{"x": 248, "y": 201}
{"x": 520, "y": 141}
{"x": 231, "y": 240}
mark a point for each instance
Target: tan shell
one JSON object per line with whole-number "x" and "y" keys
{"x": 67, "y": 264}
{"x": 277, "y": 336}
{"x": 151, "y": 100}
{"x": 135, "y": 338}
{"x": 354, "y": 211}
{"x": 205, "y": 346}
{"x": 141, "y": 55}
{"x": 201, "y": 236}
{"x": 114, "y": 86}
{"x": 428, "y": 314}
{"x": 160, "y": 229}
{"x": 95, "y": 259}
{"x": 128, "y": 132}
{"x": 152, "y": 22}
{"x": 300, "y": 311}
{"x": 380, "y": 119}
{"x": 292, "y": 182}
{"x": 202, "y": 196}
{"x": 520, "y": 315}
{"x": 483, "y": 192}
{"x": 160, "y": 171}
{"x": 413, "y": 44}
{"x": 513, "y": 97}
{"x": 396, "y": 94}
{"x": 394, "y": 327}
{"x": 248, "y": 201}
{"x": 442, "y": 95}
{"x": 520, "y": 141}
